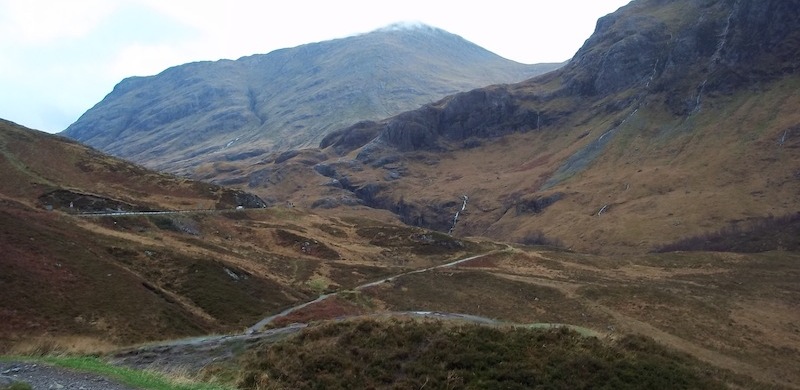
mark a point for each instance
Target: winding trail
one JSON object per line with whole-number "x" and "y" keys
{"x": 160, "y": 212}
{"x": 196, "y": 352}
{"x": 267, "y": 320}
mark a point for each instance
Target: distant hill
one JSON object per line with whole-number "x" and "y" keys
{"x": 289, "y": 98}
{"x": 674, "y": 119}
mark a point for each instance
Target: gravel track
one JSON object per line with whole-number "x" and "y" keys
{"x": 46, "y": 377}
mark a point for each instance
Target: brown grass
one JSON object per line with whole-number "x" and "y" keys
{"x": 54, "y": 345}
{"x": 329, "y": 309}
{"x": 161, "y": 277}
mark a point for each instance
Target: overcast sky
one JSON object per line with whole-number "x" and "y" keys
{"x": 60, "y": 57}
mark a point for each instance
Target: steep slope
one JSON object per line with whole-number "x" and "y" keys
{"x": 40, "y": 170}
{"x": 674, "y": 118}
{"x": 61, "y": 277}
{"x": 289, "y": 98}
{"x": 65, "y": 273}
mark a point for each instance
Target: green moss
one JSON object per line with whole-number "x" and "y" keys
{"x": 17, "y": 386}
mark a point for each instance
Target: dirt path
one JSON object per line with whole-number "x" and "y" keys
{"x": 192, "y": 354}
{"x": 45, "y": 377}
{"x": 267, "y": 320}
{"x": 195, "y": 353}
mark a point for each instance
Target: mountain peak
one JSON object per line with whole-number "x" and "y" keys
{"x": 409, "y": 26}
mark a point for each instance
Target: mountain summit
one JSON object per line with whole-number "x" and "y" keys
{"x": 289, "y": 98}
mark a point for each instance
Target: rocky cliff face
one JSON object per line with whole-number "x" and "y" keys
{"x": 687, "y": 49}
{"x": 291, "y": 98}
{"x": 678, "y": 50}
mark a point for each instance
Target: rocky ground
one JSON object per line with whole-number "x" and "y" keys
{"x": 42, "y": 377}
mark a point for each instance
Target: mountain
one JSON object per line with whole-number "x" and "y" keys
{"x": 290, "y": 98}
{"x": 676, "y": 118}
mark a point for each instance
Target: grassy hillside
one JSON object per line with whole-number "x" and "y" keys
{"x": 660, "y": 178}
{"x": 730, "y": 311}
{"x": 123, "y": 279}
{"x": 35, "y": 164}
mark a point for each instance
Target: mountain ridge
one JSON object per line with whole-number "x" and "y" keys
{"x": 288, "y": 98}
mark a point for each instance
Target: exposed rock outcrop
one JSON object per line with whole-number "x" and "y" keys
{"x": 236, "y": 198}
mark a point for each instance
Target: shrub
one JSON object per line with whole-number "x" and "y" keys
{"x": 432, "y": 354}
{"x": 761, "y": 235}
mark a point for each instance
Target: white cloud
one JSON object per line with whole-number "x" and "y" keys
{"x": 44, "y": 21}
{"x": 145, "y": 60}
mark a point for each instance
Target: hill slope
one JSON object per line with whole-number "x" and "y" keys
{"x": 123, "y": 279}
{"x": 289, "y": 98}
{"x": 674, "y": 118}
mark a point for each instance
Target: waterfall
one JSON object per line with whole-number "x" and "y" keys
{"x": 464, "y": 198}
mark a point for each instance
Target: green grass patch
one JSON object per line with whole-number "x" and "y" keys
{"x": 319, "y": 285}
{"x": 147, "y": 380}
{"x": 17, "y": 386}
